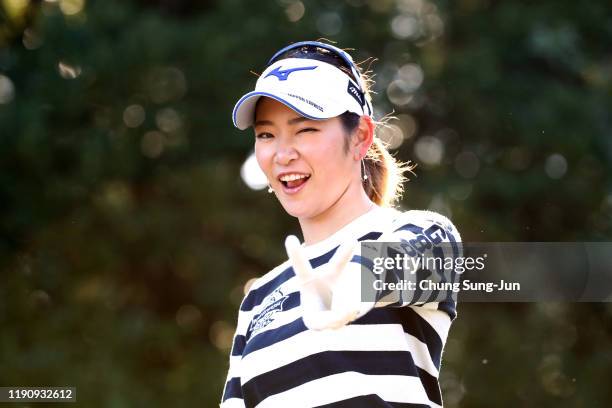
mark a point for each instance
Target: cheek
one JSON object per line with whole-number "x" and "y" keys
{"x": 331, "y": 157}
{"x": 263, "y": 154}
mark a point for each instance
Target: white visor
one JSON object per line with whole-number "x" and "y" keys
{"x": 312, "y": 88}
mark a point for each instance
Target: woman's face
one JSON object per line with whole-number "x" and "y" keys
{"x": 304, "y": 159}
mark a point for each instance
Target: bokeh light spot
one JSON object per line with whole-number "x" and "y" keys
{"x": 329, "y": 23}
{"x": 71, "y": 7}
{"x": 252, "y": 175}
{"x": 221, "y": 335}
{"x": 168, "y": 120}
{"x": 15, "y": 8}
{"x": 392, "y": 135}
{"x": 435, "y": 25}
{"x": 152, "y": 144}
{"x": 248, "y": 284}
{"x": 7, "y": 89}
{"x": 404, "y": 26}
{"x": 188, "y": 316}
{"x": 412, "y": 75}
{"x": 556, "y": 166}
{"x": 134, "y": 116}
{"x": 399, "y": 92}
{"x": 467, "y": 164}
{"x": 68, "y": 71}
{"x": 380, "y": 6}
{"x": 166, "y": 84}
{"x": 30, "y": 39}
{"x": 408, "y": 124}
{"x": 295, "y": 11}
{"x": 429, "y": 150}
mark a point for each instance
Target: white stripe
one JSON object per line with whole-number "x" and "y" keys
{"x": 379, "y": 217}
{"x": 338, "y": 387}
{"x": 379, "y": 337}
{"x": 244, "y": 318}
{"x": 439, "y": 320}
{"x": 234, "y": 367}
{"x": 233, "y": 403}
{"x": 373, "y": 221}
{"x": 262, "y": 280}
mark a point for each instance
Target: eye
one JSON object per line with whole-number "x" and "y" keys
{"x": 264, "y": 135}
{"x": 308, "y": 129}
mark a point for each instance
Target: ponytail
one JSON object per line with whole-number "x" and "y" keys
{"x": 384, "y": 184}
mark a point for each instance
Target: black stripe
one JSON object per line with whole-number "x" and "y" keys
{"x": 238, "y": 346}
{"x": 370, "y": 236}
{"x": 410, "y": 227}
{"x": 450, "y": 307}
{"x": 456, "y": 250}
{"x": 270, "y": 337}
{"x": 323, "y": 259}
{"x": 412, "y": 323}
{"x": 232, "y": 389}
{"x": 256, "y": 296}
{"x": 370, "y": 401}
{"x": 327, "y": 363}
{"x": 430, "y": 383}
{"x": 366, "y": 263}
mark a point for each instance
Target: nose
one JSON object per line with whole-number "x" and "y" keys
{"x": 285, "y": 153}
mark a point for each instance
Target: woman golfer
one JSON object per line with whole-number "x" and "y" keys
{"x": 305, "y": 335}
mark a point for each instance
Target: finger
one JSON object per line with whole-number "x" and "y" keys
{"x": 322, "y": 320}
{"x": 347, "y": 290}
{"x": 301, "y": 265}
{"x": 341, "y": 258}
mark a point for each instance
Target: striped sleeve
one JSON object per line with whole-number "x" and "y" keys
{"x": 232, "y": 391}
{"x": 432, "y": 239}
{"x": 420, "y": 236}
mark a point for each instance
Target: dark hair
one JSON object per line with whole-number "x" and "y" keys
{"x": 384, "y": 184}
{"x": 309, "y": 51}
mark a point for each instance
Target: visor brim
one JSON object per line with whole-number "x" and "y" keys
{"x": 244, "y": 111}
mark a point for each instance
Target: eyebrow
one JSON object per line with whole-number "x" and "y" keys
{"x": 296, "y": 120}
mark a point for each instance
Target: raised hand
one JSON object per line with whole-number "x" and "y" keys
{"x": 330, "y": 296}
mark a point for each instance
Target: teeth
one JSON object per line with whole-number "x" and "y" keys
{"x": 291, "y": 177}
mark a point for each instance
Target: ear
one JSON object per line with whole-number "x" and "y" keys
{"x": 363, "y": 137}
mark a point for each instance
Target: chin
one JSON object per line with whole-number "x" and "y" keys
{"x": 298, "y": 209}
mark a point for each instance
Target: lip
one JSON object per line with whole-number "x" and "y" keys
{"x": 292, "y": 190}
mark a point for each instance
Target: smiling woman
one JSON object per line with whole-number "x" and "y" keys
{"x": 304, "y": 337}
{"x": 305, "y": 161}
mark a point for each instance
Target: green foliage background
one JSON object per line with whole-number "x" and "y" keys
{"x": 126, "y": 241}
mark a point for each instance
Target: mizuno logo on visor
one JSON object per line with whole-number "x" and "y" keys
{"x": 283, "y": 74}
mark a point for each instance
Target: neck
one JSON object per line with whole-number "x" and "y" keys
{"x": 352, "y": 204}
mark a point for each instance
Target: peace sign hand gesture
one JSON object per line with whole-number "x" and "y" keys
{"x": 330, "y": 296}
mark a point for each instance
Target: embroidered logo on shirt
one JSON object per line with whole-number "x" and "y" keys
{"x": 272, "y": 304}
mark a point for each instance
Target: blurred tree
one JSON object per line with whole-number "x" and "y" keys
{"x": 127, "y": 235}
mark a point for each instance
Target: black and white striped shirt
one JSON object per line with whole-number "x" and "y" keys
{"x": 389, "y": 357}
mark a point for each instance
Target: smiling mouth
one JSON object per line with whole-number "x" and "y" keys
{"x": 292, "y": 181}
